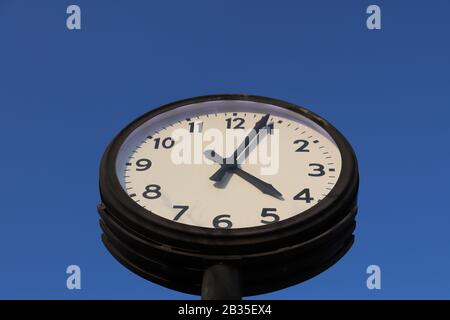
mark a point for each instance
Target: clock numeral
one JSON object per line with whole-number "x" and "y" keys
{"x": 303, "y": 145}
{"x": 304, "y": 195}
{"x": 195, "y": 127}
{"x": 152, "y": 191}
{"x": 239, "y": 123}
{"x": 269, "y": 213}
{"x": 167, "y": 143}
{"x": 179, "y": 214}
{"x": 143, "y": 164}
{"x": 221, "y": 222}
{"x": 319, "y": 169}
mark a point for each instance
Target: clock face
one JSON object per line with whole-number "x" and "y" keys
{"x": 172, "y": 164}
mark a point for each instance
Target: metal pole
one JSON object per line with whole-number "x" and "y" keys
{"x": 221, "y": 282}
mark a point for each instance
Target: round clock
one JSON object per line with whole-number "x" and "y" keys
{"x": 228, "y": 195}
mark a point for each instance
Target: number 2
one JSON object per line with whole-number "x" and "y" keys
{"x": 303, "y": 145}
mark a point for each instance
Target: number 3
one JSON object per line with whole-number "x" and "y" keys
{"x": 319, "y": 169}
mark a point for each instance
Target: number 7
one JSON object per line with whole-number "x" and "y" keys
{"x": 183, "y": 210}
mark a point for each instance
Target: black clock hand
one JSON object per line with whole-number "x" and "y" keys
{"x": 263, "y": 186}
{"x": 218, "y": 175}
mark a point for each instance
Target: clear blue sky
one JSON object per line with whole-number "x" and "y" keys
{"x": 65, "y": 94}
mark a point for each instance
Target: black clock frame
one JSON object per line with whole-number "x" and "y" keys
{"x": 268, "y": 257}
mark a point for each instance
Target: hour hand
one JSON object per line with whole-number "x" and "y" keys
{"x": 219, "y": 174}
{"x": 225, "y": 178}
{"x": 263, "y": 186}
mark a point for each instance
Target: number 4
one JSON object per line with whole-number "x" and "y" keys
{"x": 305, "y": 195}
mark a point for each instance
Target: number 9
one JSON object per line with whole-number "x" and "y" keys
{"x": 143, "y": 164}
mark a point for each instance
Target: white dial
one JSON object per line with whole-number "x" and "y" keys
{"x": 286, "y": 169}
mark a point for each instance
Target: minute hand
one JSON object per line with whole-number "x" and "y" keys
{"x": 219, "y": 174}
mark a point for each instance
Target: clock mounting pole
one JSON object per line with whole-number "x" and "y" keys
{"x": 221, "y": 282}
